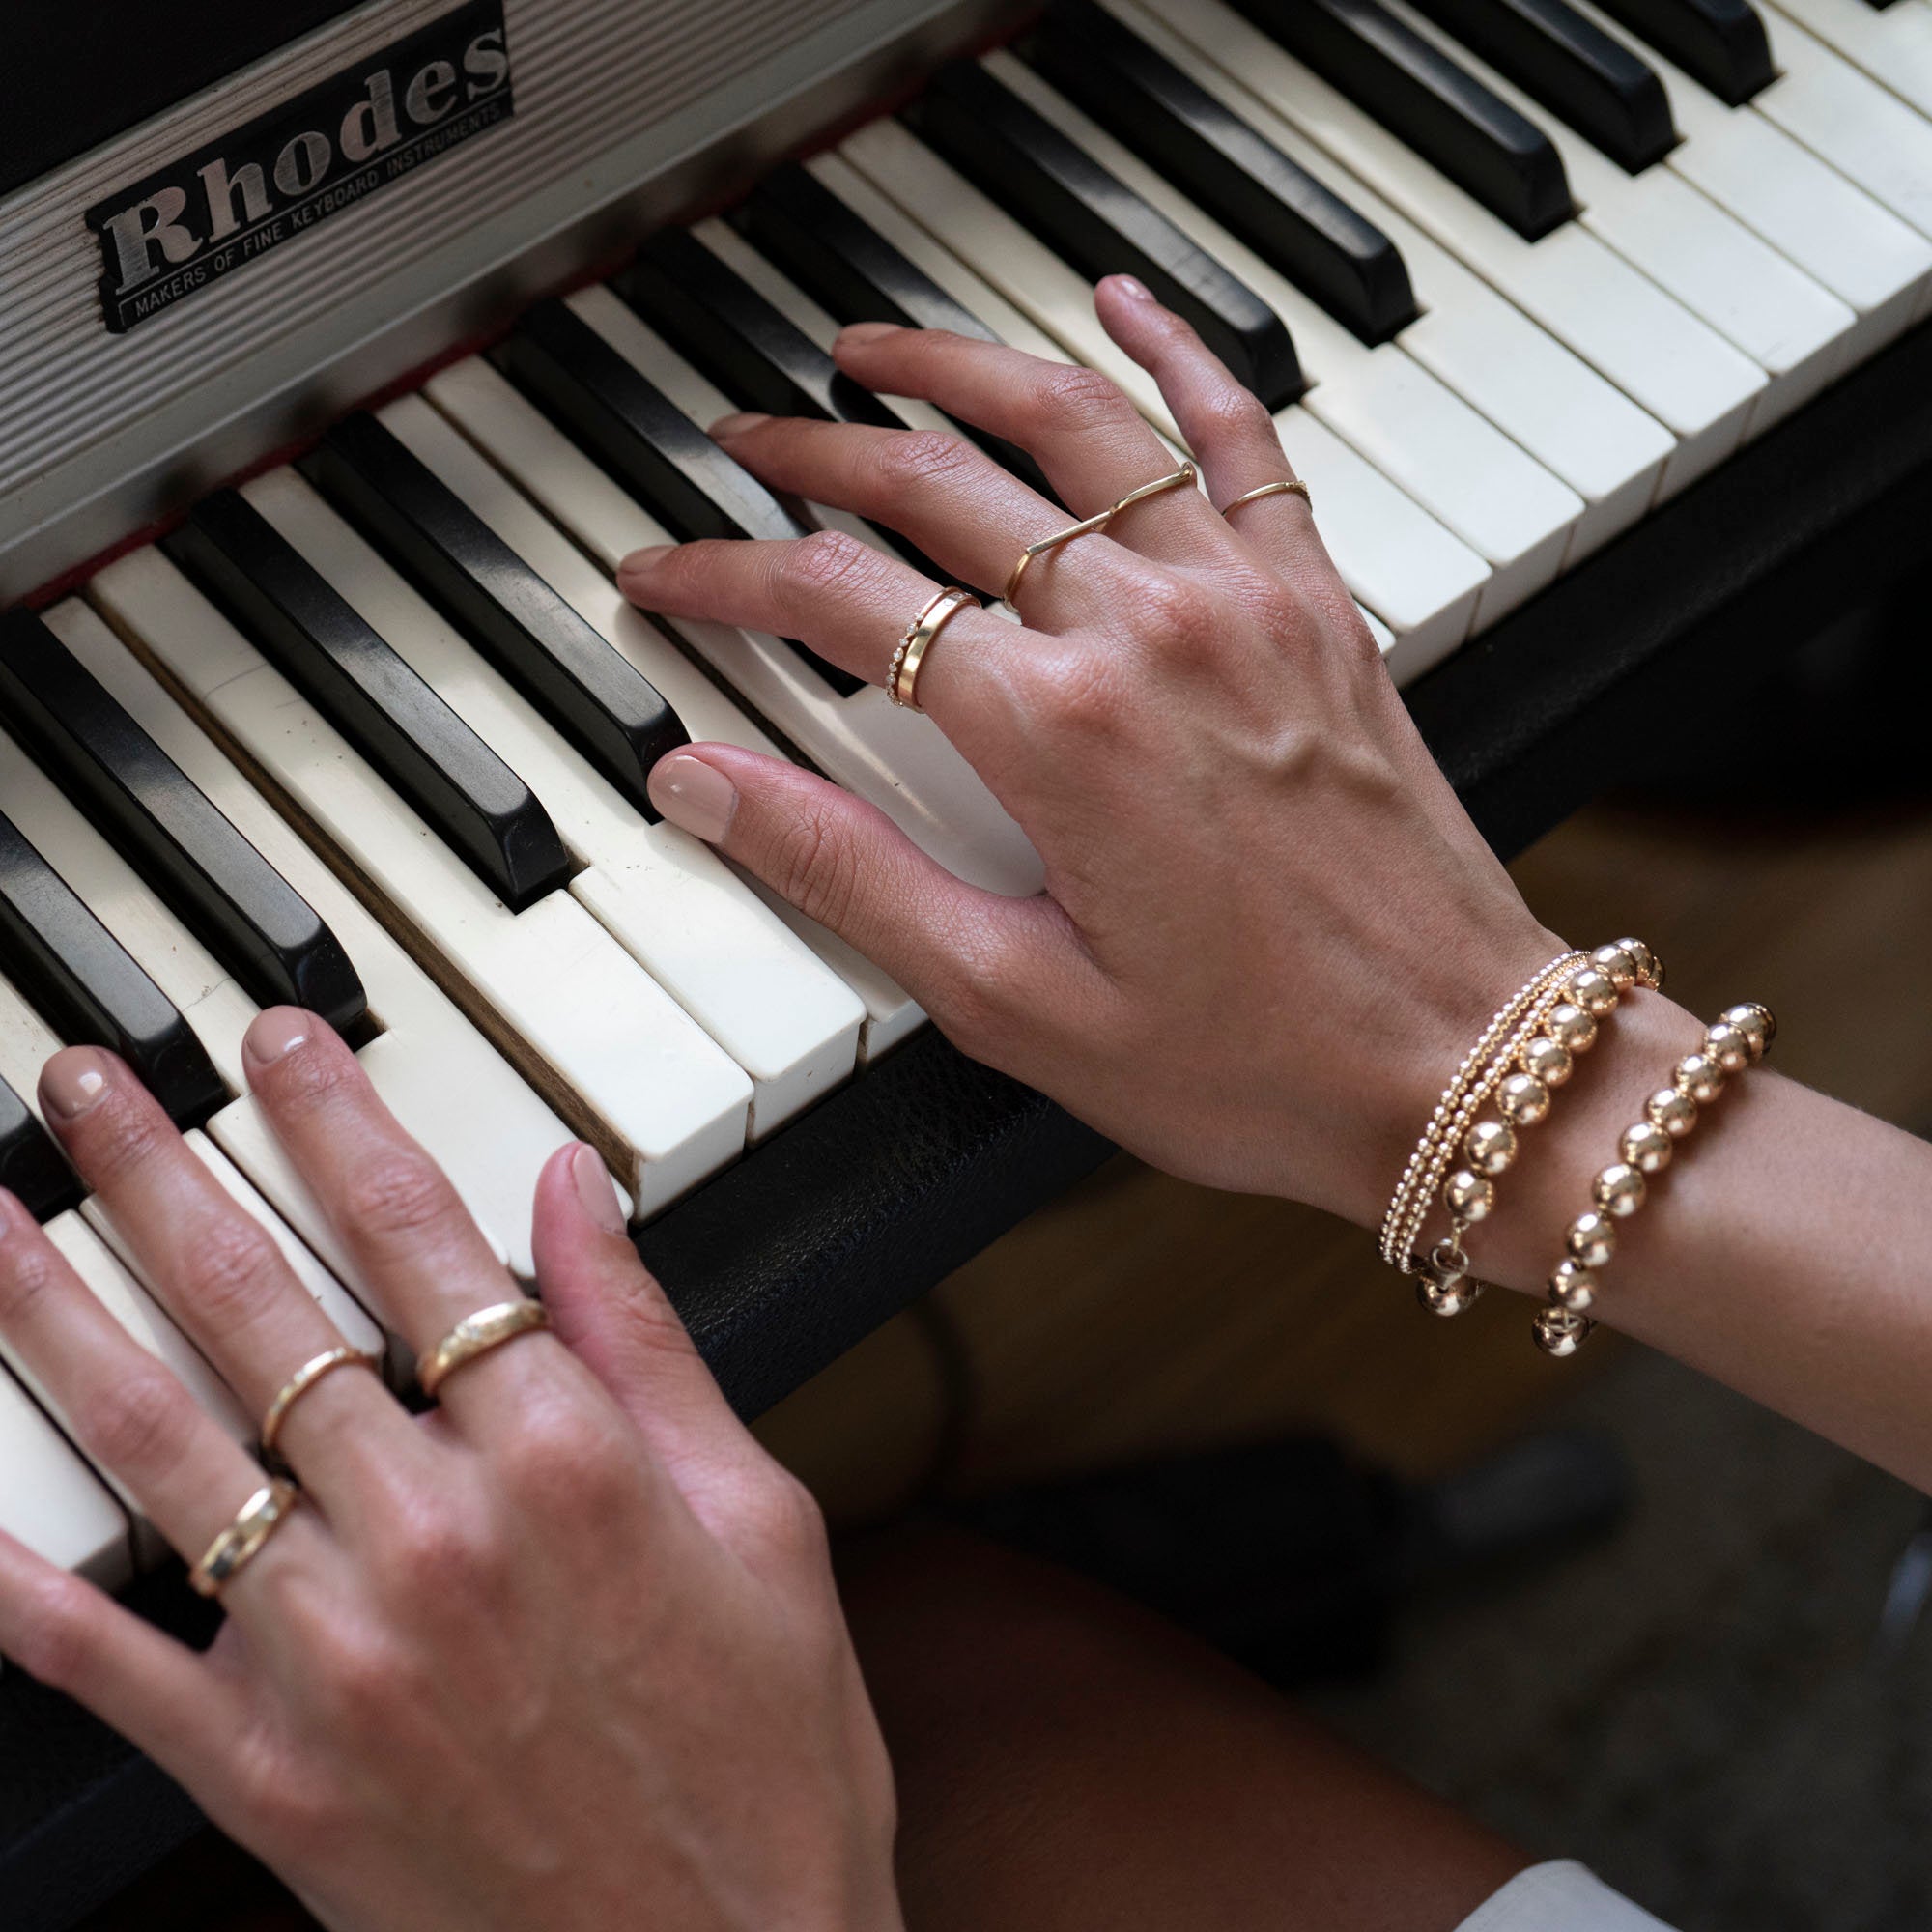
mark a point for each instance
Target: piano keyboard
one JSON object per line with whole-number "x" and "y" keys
{"x": 370, "y": 730}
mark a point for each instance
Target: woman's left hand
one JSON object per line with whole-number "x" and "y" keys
{"x": 565, "y": 1653}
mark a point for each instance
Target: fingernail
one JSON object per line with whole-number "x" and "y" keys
{"x": 696, "y": 797}
{"x": 74, "y": 1080}
{"x": 639, "y": 561}
{"x": 736, "y": 425}
{"x": 596, "y": 1190}
{"x": 1135, "y": 290}
{"x": 276, "y": 1034}
{"x": 858, "y": 333}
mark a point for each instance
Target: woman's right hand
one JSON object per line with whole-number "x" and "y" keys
{"x": 1269, "y": 924}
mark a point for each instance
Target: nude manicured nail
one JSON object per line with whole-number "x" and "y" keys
{"x": 596, "y": 1190}
{"x": 859, "y": 333}
{"x": 1136, "y": 291}
{"x": 696, "y": 797}
{"x": 275, "y": 1034}
{"x": 73, "y": 1080}
{"x": 639, "y": 561}
{"x": 736, "y": 425}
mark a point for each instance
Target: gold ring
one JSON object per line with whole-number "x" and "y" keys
{"x": 242, "y": 1541}
{"x": 299, "y": 1385}
{"x": 1289, "y": 486}
{"x": 476, "y": 1335}
{"x": 1187, "y": 475}
{"x": 902, "y": 676}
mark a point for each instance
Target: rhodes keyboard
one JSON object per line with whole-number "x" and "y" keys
{"x": 343, "y": 351}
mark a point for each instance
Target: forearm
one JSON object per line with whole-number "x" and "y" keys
{"x": 1785, "y": 1251}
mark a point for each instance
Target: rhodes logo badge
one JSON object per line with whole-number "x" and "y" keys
{"x": 202, "y": 216}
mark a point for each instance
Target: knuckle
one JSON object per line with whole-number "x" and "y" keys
{"x": 1183, "y": 614}
{"x": 1071, "y": 397}
{"x": 446, "y": 1550}
{"x": 788, "y": 1518}
{"x": 362, "y": 1677}
{"x": 33, "y": 1269}
{"x": 237, "y": 1269}
{"x": 827, "y": 563}
{"x": 567, "y": 1458}
{"x": 816, "y": 869}
{"x": 919, "y": 459}
{"x": 143, "y": 1422}
{"x": 1230, "y": 413}
{"x": 55, "y": 1638}
{"x": 396, "y": 1197}
{"x": 974, "y": 1002}
{"x": 120, "y": 1137}
{"x": 1072, "y": 693}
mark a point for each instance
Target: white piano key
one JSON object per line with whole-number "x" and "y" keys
{"x": 1576, "y": 424}
{"x": 1893, "y": 44}
{"x": 1463, "y": 471}
{"x": 1669, "y": 361}
{"x": 493, "y": 1144}
{"x": 783, "y": 1017}
{"x": 1395, "y": 557}
{"x": 1794, "y": 328}
{"x": 1847, "y": 118}
{"x": 475, "y": 389}
{"x": 1809, "y": 212}
{"x": 51, "y": 1499}
{"x": 577, "y": 1014}
{"x": 895, "y": 759}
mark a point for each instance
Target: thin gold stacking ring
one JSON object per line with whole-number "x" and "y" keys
{"x": 245, "y": 1539}
{"x": 1287, "y": 486}
{"x": 477, "y": 1335}
{"x": 1186, "y": 476}
{"x": 299, "y": 1385}
{"x": 903, "y": 675}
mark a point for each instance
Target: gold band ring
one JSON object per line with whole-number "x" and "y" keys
{"x": 243, "y": 1540}
{"x": 299, "y": 1385}
{"x": 1289, "y": 486}
{"x": 902, "y": 676}
{"x": 477, "y": 1335}
{"x": 1187, "y": 475}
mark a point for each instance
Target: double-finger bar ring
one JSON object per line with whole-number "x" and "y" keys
{"x": 903, "y": 675}
{"x": 245, "y": 1539}
{"x": 1287, "y": 486}
{"x": 299, "y": 1385}
{"x": 1184, "y": 477}
{"x": 477, "y": 1335}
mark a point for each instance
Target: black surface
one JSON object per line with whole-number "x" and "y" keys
{"x": 854, "y": 274}
{"x": 1721, "y": 43}
{"x": 593, "y": 695}
{"x": 1423, "y": 97}
{"x": 1096, "y": 223}
{"x": 1247, "y": 184}
{"x": 84, "y": 984}
{"x": 31, "y": 1165}
{"x": 71, "y": 76}
{"x": 865, "y": 1203}
{"x": 239, "y": 907}
{"x": 464, "y": 791}
{"x": 1589, "y": 78}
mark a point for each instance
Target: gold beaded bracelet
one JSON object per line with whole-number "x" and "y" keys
{"x": 1543, "y": 1053}
{"x": 1736, "y": 1040}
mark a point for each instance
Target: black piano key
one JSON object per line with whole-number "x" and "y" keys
{"x": 636, "y": 431}
{"x": 1240, "y": 177}
{"x": 1593, "y": 81}
{"x": 726, "y": 327}
{"x": 594, "y": 696}
{"x": 1423, "y": 97}
{"x": 1097, "y": 224}
{"x": 483, "y": 810}
{"x": 856, "y": 274}
{"x": 89, "y": 990}
{"x": 1721, "y": 43}
{"x": 31, "y": 1165}
{"x": 220, "y": 887}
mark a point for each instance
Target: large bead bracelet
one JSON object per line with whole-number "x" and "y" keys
{"x": 1734, "y": 1041}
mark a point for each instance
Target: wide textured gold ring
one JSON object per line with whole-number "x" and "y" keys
{"x": 299, "y": 1385}
{"x": 477, "y": 1335}
{"x": 902, "y": 676}
{"x": 243, "y": 1540}
{"x": 1289, "y": 486}
{"x": 1186, "y": 476}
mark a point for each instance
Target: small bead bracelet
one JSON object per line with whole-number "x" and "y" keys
{"x": 1543, "y": 1050}
{"x": 1736, "y": 1040}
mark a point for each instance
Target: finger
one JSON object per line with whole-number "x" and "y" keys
{"x": 217, "y": 1271}
{"x": 1092, "y": 444}
{"x": 852, "y": 605}
{"x": 156, "y": 1692}
{"x": 127, "y": 1411}
{"x": 1225, "y": 424}
{"x": 843, "y": 863}
{"x": 395, "y": 1212}
{"x": 952, "y": 500}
